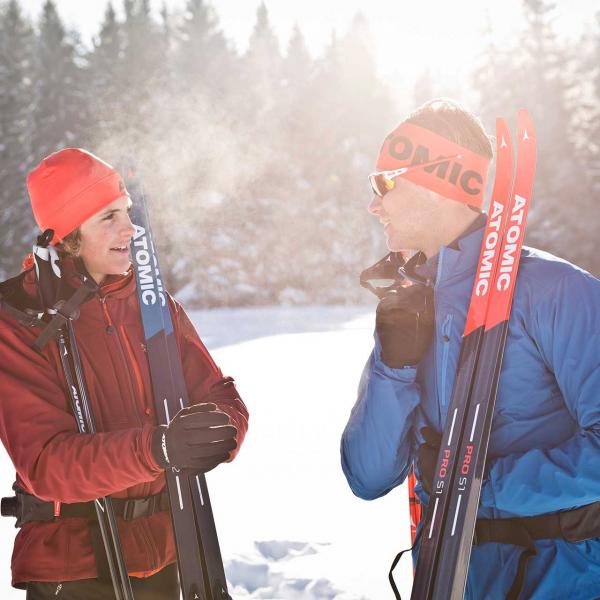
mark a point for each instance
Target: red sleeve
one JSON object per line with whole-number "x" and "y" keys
{"x": 52, "y": 459}
{"x": 201, "y": 374}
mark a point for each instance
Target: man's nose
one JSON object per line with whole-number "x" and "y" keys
{"x": 375, "y": 205}
{"x": 128, "y": 227}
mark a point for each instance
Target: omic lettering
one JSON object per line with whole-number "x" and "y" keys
{"x": 147, "y": 270}
{"x": 490, "y": 246}
{"x": 512, "y": 237}
{"x": 402, "y": 148}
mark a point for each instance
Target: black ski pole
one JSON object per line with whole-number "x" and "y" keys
{"x": 46, "y": 262}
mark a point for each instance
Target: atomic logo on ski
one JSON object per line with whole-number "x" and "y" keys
{"x": 145, "y": 262}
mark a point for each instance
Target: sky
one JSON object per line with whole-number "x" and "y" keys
{"x": 446, "y": 36}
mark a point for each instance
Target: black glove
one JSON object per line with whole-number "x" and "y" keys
{"x": 428, "y": 455}
{"x": 199, "y": 438}
{"x": 404, "y": 322}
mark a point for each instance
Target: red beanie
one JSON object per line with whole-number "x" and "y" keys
{"x": 70, "y": 186}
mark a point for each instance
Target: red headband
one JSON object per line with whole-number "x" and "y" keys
{"x": 461, "y": 178}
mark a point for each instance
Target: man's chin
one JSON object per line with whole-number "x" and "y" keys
{"x": 393, "y": 244}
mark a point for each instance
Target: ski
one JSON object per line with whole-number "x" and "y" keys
{"x": 202, "y": 576}
{"x": 430, "y": 542}
{"x": 105, "y": 513}
{"x": 457, "y": 538}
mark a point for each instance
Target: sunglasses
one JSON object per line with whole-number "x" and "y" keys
{"x": 383, "y": 181}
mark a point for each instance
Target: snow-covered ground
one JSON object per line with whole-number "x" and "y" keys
{"x": 288, "y": 524}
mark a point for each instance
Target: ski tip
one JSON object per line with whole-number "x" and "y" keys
{"x": 127, "y": 166}
{"x": 503, "y": 139}
{"x": 525, "y": 128}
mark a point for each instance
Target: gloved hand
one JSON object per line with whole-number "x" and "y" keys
{"x": 199, "y": 437}
{"x": 427, "y": 456}
{"x": 404, "y": 322}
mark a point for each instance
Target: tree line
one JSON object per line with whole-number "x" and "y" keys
{"x": 255, "y": 163}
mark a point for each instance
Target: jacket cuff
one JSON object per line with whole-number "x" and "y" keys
{"x": 153, "y": 444}
{"x": 405, "y": 374}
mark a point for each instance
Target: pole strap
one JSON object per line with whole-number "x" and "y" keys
{"x": 63, "y": 312}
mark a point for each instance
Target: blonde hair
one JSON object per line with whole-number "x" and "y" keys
{"x": 450, "y": 120}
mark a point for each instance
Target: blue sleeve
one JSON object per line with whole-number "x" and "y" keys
{"x": 376, "y": 443}
{"x": 566, "y": 328}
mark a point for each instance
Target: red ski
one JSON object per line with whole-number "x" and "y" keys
{"x": 454, "y": 500}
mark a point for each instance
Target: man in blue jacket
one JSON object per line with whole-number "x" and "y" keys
{"x": 544, "y": 451}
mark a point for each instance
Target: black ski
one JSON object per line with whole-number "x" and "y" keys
{"x": 433, "y": 527}
{"x": 201, "y": 571}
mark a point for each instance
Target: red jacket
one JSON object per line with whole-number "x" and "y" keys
{"x": 55, "y": 462}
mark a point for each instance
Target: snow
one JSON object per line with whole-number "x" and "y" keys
{"x": 289, "y": 526}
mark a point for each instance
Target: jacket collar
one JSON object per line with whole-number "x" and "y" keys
{"x": 119, "y": 286}
{"x": 115, "y": 286}
{"x": 461, "y": 260}
{"x": 457, "y": 258}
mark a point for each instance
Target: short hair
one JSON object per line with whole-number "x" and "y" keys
{"x": 71, "y": 243}
{"x": 450, "y": 120}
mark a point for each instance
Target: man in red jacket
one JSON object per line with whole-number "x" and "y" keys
{"x": 84, "y": 201}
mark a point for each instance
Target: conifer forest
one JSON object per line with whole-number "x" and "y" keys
{"x": 255, "y": 163}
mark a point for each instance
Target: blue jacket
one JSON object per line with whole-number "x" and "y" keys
{"x": 544, "y": 453}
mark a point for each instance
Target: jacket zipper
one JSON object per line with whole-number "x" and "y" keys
{"x": 112, "y": 329}
{"x": 134, "y": 367}
{"x": 445, "y": 354}
{"x": 436, "y": 377}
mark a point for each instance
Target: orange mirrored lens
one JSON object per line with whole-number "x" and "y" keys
{"x": 381, "y": 184}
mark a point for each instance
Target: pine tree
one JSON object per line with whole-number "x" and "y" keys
{"x": 145, "y": 69}
{"x": 106, "y": 78}
{"x": 16, "y": 76}
{"x": 561, "y": 194}
{"x": 263, "y": 46}
{"x": 344, "y": 122}
{"x": 261, "y": 68}
{"x": 587, "y": 125}
{"x": 204, "y": 59}
{"x": 593, "y": 132}
{"x": 494, "y": 76}
{"x": 297, "y": 64}
{"x": 295, "y": 98}
{"x": 61, "y": 115}
{"x": 361, "y": 88}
